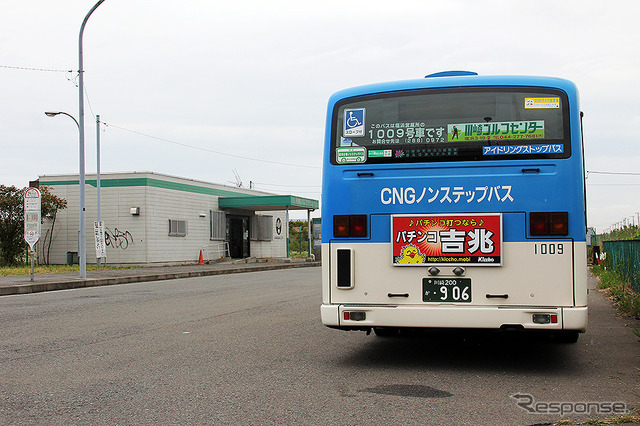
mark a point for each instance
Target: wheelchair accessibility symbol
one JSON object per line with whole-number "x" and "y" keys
{"x": 353, "y": 122}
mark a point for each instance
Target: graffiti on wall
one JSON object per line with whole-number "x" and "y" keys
{"x": 118, "y": 238}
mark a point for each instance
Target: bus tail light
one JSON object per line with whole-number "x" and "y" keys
{"x": 354, "y": 225}
{"x": 549, "y": 223}
{"x": 559, "y": 223}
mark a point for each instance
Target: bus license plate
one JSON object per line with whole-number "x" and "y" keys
{"x": 446, "y": 290}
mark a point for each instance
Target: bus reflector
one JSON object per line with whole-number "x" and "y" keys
{"x": 355, "y": 316}
{"x": 545, "y": 318}
{"x": 354, "y": 225}
{"x": 344, "y": 272}
{"x": 549, "y": 223}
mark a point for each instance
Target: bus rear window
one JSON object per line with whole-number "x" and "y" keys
{"x": 451, "y": 125}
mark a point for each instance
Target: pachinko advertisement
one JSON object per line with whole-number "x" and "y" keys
{"x": 437, "y": 239}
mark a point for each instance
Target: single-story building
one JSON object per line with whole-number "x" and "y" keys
{"x": 155, "y": 218}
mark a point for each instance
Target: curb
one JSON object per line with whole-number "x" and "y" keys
{"x": 96, "y": 282}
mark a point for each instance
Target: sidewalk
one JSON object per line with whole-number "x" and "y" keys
{"x": 22, "y": 284}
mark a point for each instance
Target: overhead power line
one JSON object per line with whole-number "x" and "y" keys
{"x": 612, "y": 173}
{"x": 156, "y": 137}
{"x": 286, "y": 186}
{"x": 33, "y": 69}
{"x": 211, "y": 150}
{"x": 614, "y": 184}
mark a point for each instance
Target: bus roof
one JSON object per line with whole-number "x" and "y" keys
{"x": 458, "y": 79}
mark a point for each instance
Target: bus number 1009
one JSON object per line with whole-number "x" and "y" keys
{"x": 548, "y": 248}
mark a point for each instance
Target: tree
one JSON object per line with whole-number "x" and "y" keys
{"x": 12, "y": 242}
{"x": 50, "y": 206}
{"x": 11, "y": 224}
{"x": 298, "y": 236}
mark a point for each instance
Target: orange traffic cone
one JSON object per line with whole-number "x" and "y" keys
{"x": 200, "y": 260}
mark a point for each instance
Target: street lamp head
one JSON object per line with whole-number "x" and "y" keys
{"x": 54, "y": 113}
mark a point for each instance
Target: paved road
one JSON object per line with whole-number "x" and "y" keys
{"x": 250, "y": 349}
{"x": 22, "y": 284}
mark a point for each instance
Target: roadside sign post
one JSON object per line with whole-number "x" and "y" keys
{"x": 101, "y": 246}
{"x": 32, "y": 216}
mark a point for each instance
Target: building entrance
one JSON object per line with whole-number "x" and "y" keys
{"x": 238, "y": 236}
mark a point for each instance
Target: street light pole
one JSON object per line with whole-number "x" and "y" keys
{"x": 98, "y": 260}
{"x": 53, "y": 114}
{"x": 82, "y": 244}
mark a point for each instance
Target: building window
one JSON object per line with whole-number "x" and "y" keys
{"x": 177, "y": 228}
{"x": 218, "y": 225}
{"x": 262, "y": 228}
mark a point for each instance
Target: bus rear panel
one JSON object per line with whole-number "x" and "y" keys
{"x": 455, "y": 202}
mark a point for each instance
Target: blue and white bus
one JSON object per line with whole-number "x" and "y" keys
{"x": 455, "y": 201}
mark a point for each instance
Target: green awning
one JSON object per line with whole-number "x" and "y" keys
{"x": 268, "y": 202}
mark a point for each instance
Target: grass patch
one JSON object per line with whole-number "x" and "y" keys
{"x": 298, "y": 254}
{"x": 632, "y": 417}
{"x": 52, "y": 269}
{"x": 618, "y": 290}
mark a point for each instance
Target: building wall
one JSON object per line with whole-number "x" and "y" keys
{"x": 144, "y": 238}
{"x": 125, "y": 233}
{"x": 275, "y": 247}
{"x": 164, "y": 204}
{"x": 65, "y": 231}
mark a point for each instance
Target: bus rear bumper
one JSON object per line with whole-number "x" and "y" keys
{"x": 454, "y": 316}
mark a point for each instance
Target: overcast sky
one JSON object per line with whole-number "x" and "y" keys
{"x": 189, "y": 87}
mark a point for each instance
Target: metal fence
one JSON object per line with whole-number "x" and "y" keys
{"x": 215, "y": 251}
{"x": 624, "y": 257}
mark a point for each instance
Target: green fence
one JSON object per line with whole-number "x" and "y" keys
{"x": 624, "y": 258}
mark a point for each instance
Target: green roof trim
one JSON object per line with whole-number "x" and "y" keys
{"x": 156, "y": 183}
{"x": 268, "y": 202}
{"x": 228, "y": 199}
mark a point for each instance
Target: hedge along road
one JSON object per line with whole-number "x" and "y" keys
{"x": 250, "y": 349}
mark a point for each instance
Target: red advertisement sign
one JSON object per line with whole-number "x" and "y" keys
{"x": 440, "y": 239}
